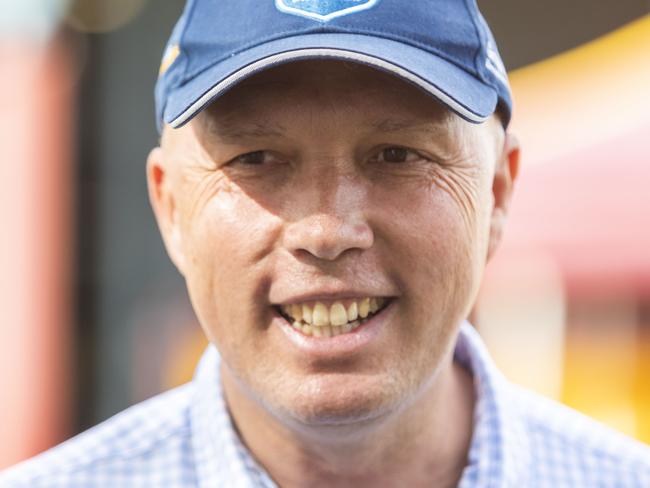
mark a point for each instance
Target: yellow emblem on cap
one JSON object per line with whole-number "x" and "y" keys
{"x": 168, "y": 59}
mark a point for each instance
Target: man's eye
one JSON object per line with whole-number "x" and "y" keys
{"x": 397, "y": 154}
{"x": 252, "y": 158}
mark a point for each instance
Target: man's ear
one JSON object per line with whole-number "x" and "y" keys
{"x": 505, "y": 175}
{"x": 164, "y": 207}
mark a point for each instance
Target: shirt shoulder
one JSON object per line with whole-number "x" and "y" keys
{"x": 148, "y": 444}
{"x": 567, "y": 448}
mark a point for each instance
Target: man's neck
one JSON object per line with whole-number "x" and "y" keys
{"x": 425, "y": 444}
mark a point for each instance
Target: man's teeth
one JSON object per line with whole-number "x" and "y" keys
{"x": 318, "y": 320}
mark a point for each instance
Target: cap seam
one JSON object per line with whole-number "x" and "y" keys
{"x": 477, "y": 54}
{"x": 283, "y": 35}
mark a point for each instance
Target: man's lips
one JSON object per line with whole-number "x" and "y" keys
{"x": 342, "y": 345}
{"x": 333, "y": 317}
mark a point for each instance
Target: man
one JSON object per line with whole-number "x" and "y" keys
{"x": 331, "y": 180}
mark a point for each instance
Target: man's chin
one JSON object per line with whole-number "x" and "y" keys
{"x": 339, "y": 408}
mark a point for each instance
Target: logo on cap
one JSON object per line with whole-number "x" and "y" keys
{"x": 323, "y": 10}
{"x": 171, "y": 53}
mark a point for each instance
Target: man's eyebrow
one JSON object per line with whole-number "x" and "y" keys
{"x": 399, "y": 125}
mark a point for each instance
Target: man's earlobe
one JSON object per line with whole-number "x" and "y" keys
{"x": 164, "y": 207}
{"x": 505, "y": 175}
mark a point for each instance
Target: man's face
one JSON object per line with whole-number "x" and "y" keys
{"x": 324, "y": 183}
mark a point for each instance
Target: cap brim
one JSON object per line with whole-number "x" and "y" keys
{"x": 459, "y": 90}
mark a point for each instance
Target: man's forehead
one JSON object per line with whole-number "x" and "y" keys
{"x": 235, "y": 129}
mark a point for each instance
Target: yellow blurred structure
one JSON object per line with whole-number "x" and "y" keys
{"x": 99, "y": 16}
{"x": 566, "y": 305}
{"x": 586, "y": 95}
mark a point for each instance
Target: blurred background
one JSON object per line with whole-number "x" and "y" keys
{"x": 95, "y": 318}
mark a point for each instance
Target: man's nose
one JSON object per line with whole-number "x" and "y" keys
{"x": 331, "y": 219}
{"x": 326, "y": 236}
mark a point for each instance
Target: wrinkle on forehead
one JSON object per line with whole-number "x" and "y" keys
{"x": 232, "y": 129}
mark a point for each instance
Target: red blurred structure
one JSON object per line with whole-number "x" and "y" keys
{"x": 36, "y": 188}
{"x": 591, "y": 210}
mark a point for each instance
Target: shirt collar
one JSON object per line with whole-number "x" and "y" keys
{"x": 497, "y": 455}
{"x": 498, "y": 451}
{"x": 218, "y": 452}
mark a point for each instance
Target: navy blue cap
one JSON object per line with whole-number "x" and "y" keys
{"x": 441, "y": 46}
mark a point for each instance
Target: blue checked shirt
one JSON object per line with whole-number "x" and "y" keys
{"x": 185, "y": 438}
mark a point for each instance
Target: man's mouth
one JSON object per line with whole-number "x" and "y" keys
{"x": 329, "y": 319}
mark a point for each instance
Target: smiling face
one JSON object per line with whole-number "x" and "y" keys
{"x": 316, "y": 188}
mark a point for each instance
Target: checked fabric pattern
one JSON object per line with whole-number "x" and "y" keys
{"x": 184, "y": 438}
